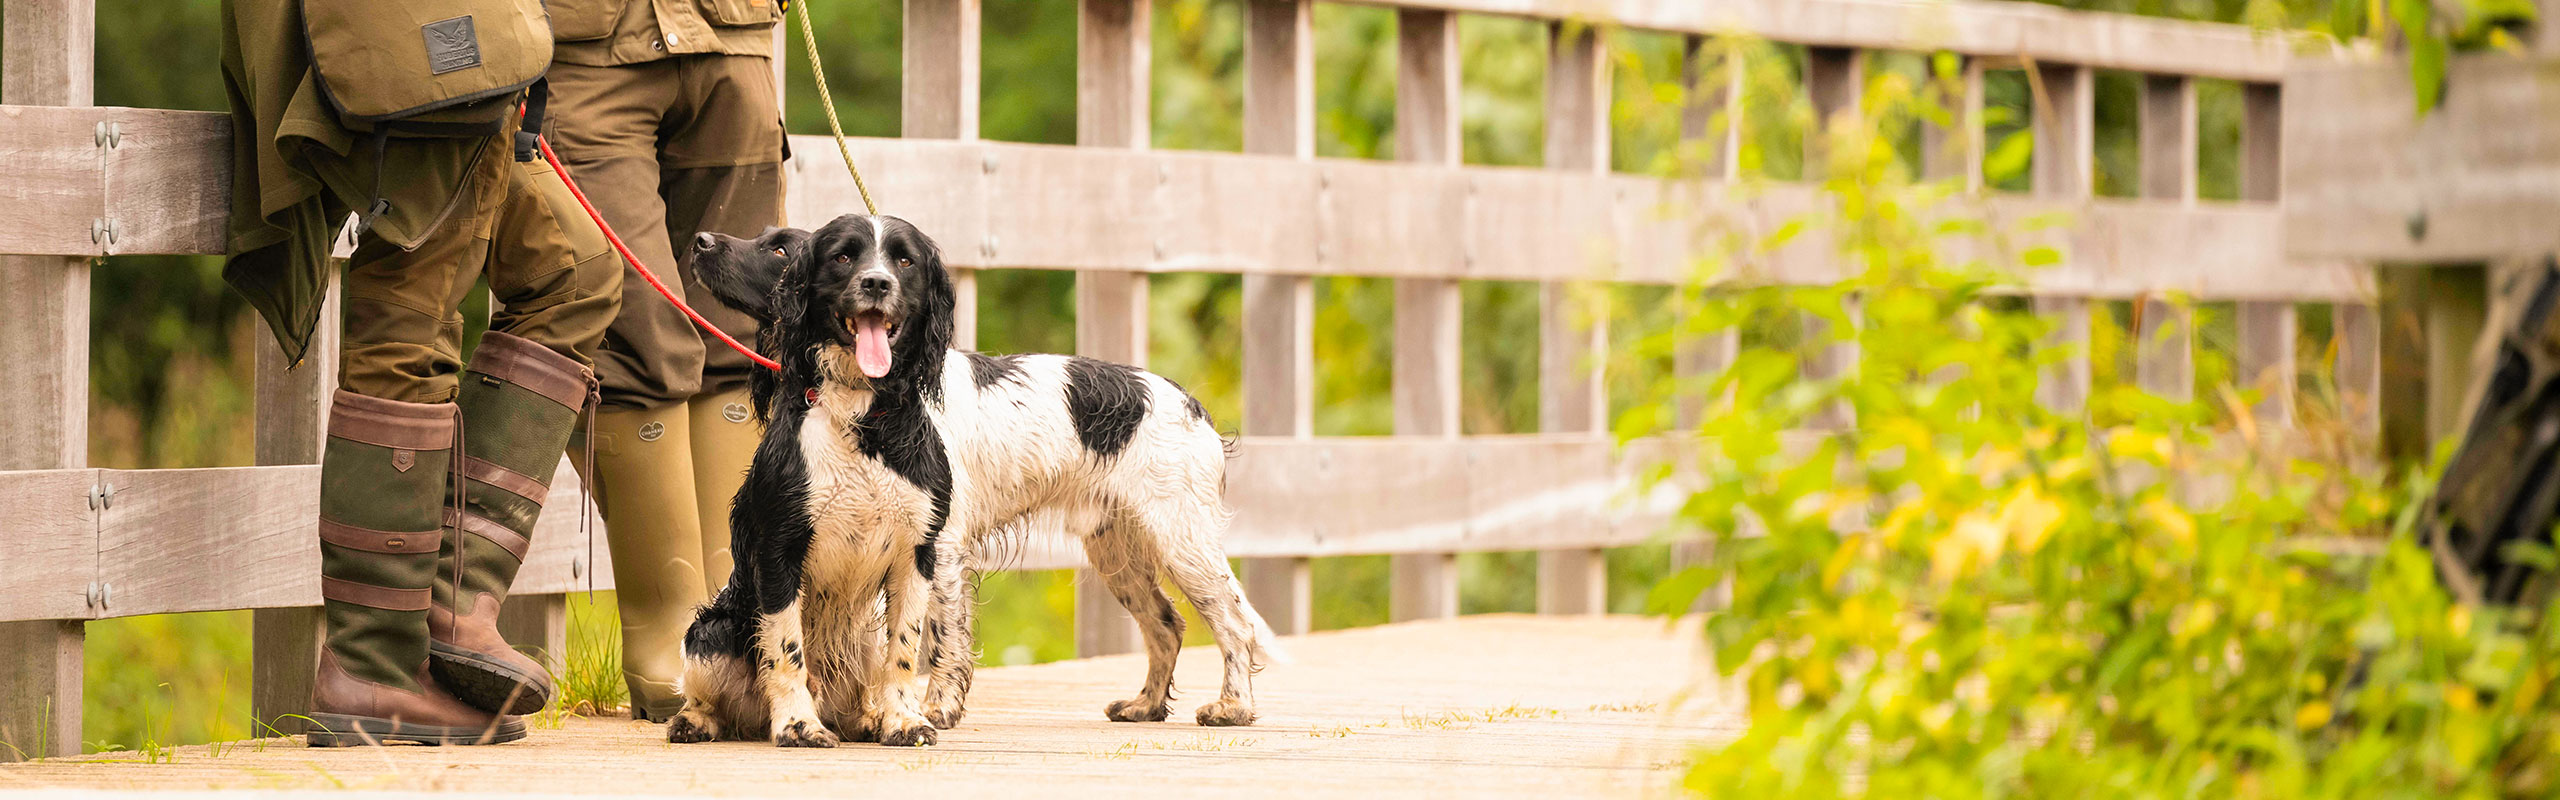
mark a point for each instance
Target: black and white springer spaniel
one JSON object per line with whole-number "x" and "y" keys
{"x": 888, "y": 457}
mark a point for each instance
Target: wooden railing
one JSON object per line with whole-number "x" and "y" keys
{"x": 82, "y": 544}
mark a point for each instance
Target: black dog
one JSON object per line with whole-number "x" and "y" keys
{"x": 888, "y": 456}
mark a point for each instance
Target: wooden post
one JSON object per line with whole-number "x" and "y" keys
{"x": 1956, "y": 153}
{"x": 2267, "y": 329}
{"x": 1715, "y": 91}
{"x": 1279, "y": 310}
{"x": 1834, "y": 77}
{"x": 46, "y": 59}
{"x": 2457, "y": 313}
{"x": 2065, "y": 155}
{"x": 293, "y": 427}
{"x": 538, "y": 623}
{"x": 2163, "y": 350}
{"x": 1111, "y": 306}
{"x": 2357, "y": 328}
{"x": 939, "y": 100}
{"x": 1571, "y": 393}
{"x": 1428, "y": 310}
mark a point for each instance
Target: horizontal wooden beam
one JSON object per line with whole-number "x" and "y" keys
{"x": 2367, "y": 177}
{"x": 1000, "y": 205}
{"x": 180, "y": 540}
{"x": 1971, "y": 27}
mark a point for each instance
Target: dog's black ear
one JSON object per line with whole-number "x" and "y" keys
{"x": 745, "y": 274}
{"x": 936, "y": 316}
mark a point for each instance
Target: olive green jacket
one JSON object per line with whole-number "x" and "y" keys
{"x": 610, "y": 33}
{"x": 297, "y": 172}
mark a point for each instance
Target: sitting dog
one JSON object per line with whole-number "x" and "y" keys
{"x": 887, "y": 457}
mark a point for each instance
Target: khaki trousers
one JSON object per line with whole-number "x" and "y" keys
{"x": 555, "y": 279}
{"x": 667, "y": 149}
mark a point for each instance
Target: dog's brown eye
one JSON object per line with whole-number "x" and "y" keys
{"x": 843, "y": 259}
{"x": 779, "y": 252}
{"x": 903, "y": 263}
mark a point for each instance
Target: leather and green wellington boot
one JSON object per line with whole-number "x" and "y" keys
{"x": 519, "y": 401}
{"x": 644, "y": 484}
{"x": 383, "y": 479}
{"x": 725, "y": 436}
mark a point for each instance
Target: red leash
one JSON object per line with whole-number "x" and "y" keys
{"x": 643, "y": 269}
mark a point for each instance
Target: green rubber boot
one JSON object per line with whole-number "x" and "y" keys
{"x": 519, "y": 402}
{"x": 383, "y": 479}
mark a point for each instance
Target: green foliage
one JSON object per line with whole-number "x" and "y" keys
{"x": 1968, "y": 593}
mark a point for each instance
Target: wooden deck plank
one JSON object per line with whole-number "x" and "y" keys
{"x": 1476, "y": 706}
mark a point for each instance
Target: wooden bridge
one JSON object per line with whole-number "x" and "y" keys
{"x": 81, "y": 543}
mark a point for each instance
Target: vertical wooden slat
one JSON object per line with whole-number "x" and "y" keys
{"x": 2268, "y": 332}
{"x": 1279, "y": 310}
{"x": 46, "y": 57}
{"x": 2164, "y": 354}
{"x": 1715, "y": 96}
{"x": 1955, "y": 153}
{"x": 2065, "y": 157}
{"x": 292, "y": 418}
{"x": 2457, "y": 312}
{"x": 1571, "y": 393}
{"x": 1428, "y": 310}
{"x": 939, "y": 100}
{"x": 1111, "y": 306}
{"x": 2357, "y": 328}
{"x": 1834, "y": 78}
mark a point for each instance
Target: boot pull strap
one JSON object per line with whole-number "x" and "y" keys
{"x": 461, "y": 547}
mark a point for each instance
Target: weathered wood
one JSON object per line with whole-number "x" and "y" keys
{"x": 538, "y": 625}
{"x": 1834, "y": 79}
{"x": 938, "y": 92}
{"x": 1970, "y": 27}
{"x": 2065, "y": 124}
{"x": 2366, "y": 177}
{"x": 2400, "y": 399}
{"x": 2261, "y": 142}
{"x": 938, "y": 99}
{"x": 1009, "y": 205}
{"x": 2164, "y": 351}
{"x": 1497, "y": 706}
{"x": 2168, "y": 143}
{"x": 46, "y": 58}
{"x": 1572, "y": 341}
{"x": 1428, "y": 311}
{"x": 2457, "y": 312}
{"x": 1711, "y": 123}
{"x": 1112, "y": 63}
{"x": 1954, "y": 152}
{"x": 248, "y": 541}
{"x": 2268, "y": 332}
{"x": 2357, "y": 366}
{"x": 51, "y": 544}
{"x": 292, "y": 419}
{"x": 2065, "y": 385}
{"x": 41, "y": 688}
{"x": 1279, "y": 310}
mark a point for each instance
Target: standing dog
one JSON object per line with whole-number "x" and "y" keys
{"x": 888, "y": 457}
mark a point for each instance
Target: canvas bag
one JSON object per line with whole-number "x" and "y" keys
{"x": 426, "y": 67}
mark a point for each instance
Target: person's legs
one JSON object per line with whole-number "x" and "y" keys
{"x": 555, "y": 282}
{"x": 605, "y": 123}
{"x": 721, "y": 172}
{"x": 383, "y": 486}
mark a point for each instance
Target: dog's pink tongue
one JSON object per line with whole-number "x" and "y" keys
{"x": 871, "y": 345}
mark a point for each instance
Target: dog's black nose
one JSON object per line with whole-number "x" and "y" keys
{"x": 876, "y": 285}
{"x": 703, "y": 241}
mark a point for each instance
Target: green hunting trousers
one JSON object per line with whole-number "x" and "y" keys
{"x": 667, "y": 149}
{"x": 555, "y": 281}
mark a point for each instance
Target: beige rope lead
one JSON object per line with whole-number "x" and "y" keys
{"x": 817, "y": 70}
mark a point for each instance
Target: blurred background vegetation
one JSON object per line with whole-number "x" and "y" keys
{"x": 171, "y": 372}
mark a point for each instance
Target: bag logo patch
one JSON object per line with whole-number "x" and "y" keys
{"x": 451, "y": 45}
{"x": 402, "y": 460}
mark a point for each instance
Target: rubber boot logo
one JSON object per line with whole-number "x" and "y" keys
{"x": 402, "y": 460}
{"x": 650, "y": 431}
{"x": 734, "y": 412}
